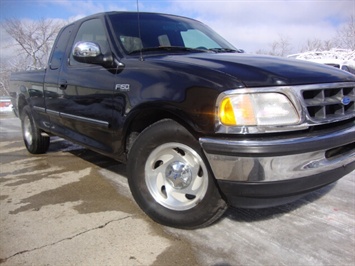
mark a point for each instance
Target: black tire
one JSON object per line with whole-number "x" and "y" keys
{"x": 34, "y": 141}
{"x": 170, "y": 180}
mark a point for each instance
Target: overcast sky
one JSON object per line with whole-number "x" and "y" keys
{"x": 248, "y": 24}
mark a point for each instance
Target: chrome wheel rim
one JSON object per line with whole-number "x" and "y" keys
{"x": 27, "y": 130}
{"x": 176, "y": 176}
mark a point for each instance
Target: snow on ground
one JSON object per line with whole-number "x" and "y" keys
{"x": 340, "y": 58}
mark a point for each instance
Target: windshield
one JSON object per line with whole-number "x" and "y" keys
{"x": 162, "y": 31}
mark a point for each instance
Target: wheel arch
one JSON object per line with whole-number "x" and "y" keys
{"x": 140, "y": 119}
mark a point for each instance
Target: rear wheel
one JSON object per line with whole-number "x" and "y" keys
{"x": 34, "y": 141}
{"x": 169, "y": 179}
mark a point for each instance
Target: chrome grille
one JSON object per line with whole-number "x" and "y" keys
{"x": 330, "y": 103}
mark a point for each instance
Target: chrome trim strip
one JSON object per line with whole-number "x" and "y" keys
{"x": 39, "y": 109}
{"x": 53, "y": 113}
{"x": 79, "y": 118}
{"x": 85, "y": 120}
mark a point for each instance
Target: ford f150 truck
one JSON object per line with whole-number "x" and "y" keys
{"x": 200, "y": 124}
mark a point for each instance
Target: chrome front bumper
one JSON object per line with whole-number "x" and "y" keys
{"x": 280, "y": 159}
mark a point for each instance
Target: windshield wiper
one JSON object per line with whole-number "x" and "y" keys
{"x": 170, "y": 49}
{"x": 225, "y": 50}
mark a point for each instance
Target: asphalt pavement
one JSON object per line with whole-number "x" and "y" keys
{"x": 72, "y": 206}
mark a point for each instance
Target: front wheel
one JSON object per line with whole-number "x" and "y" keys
{"x": 34, "y": 141}
{"x": 169, "y": 179}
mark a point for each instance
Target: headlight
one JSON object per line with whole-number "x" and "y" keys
{"x": 257, "y": 109}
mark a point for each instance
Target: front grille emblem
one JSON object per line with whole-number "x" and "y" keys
{"x": 345, "y": 100}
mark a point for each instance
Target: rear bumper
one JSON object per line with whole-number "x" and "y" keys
{"x": 269, "y": 171}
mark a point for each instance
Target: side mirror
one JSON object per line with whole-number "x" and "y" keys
{"x": 90, "y": 53}
{"x": 86, "y": 50}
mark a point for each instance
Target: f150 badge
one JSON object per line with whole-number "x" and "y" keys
{"x": 122, "y": 87}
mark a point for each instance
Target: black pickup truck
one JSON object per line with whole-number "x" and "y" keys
{"x": 200, "y": 124}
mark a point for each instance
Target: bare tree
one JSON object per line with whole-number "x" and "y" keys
{"x": 4, "y": 82}
{"x": 346, "y": 35}
{"x": 6, "y": 67}
{"x": 345, "y": 39}
{"x": 312, "y": 45}
{"x": 318, "y": 45}
{"x": 281, "y": 47}
{"x": 34, "y": 39}
{"x": 328, "y": 44}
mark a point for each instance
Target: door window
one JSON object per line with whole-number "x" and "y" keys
{"x": 91, "y": 31}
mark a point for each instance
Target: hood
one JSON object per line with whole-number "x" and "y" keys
{"x": 261, "y": 71}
